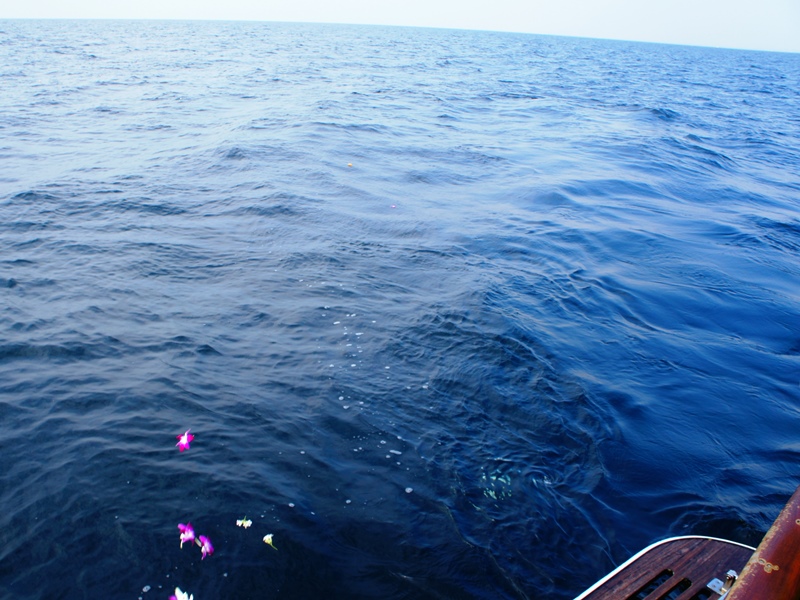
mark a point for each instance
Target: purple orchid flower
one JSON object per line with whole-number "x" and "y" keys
{"x": 184, "y": 440}
{"x": 187, "y": 533}
{"x": 205, "y": 546}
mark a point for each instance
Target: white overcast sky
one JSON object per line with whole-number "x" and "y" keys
{"x": 752, "y": 24}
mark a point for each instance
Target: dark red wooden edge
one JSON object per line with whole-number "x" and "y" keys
{"x": 773, "y": 572}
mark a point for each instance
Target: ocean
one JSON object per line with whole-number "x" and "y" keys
{"x": 450, "y": 314}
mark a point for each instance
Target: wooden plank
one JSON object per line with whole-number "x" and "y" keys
{"x": 773, "y": 571}
{"x": 692, "y": 559}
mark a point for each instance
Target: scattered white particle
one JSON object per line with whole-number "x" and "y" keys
{"x": 302, "y": 451}
{"x": 224, "y": 574}
{"x": 425, "y": 386}
{"x": 387, "y": 367}
{"x": 383, "y": 441}
{"x": 341, "y": 397}
{"x": 331, "y": 365}
{"x": 346, "y": 406}
{"x": 146, "y": 589}
{"x": 348, "y": 501}
{"x": 359, "y": 333}
{"x": 336, "y": 322}
{"x": 409, "y": 490}
{"x": 291, "y": 504}
{"x": 353, "y": 365}
{"x": 395, "y": 452}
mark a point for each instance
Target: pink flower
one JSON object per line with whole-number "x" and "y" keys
{"x": 187, "y": 533}
{"x": 183, "y": 440}
{"x": 205, "y": 546}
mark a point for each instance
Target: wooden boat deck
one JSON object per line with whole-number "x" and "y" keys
{"x": 674, "y": 569}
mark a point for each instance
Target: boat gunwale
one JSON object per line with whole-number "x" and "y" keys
{"x": 644, "y": 551}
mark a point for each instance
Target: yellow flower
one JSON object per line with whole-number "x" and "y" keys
{"x": 268, "y": 540}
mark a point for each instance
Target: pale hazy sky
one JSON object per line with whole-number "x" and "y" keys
{"x": 753, "y": 24}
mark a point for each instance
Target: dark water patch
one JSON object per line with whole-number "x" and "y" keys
{"x": 728, "y": 234}
{"x": 613, "y": 189}
{"x": 493, "y": 481}
{"x": 783, "y": 235}
{"x": 372, "y": 128}
{"x": 277, "y": 204}
{"x": 517, "y": 96}
{"x": 235, "y": 153}
{"x": 208, "y": 350}
{"x": 146, "y": 206}
{"x": 438, "y": 177}
{"x": 665, "y": 114}
{"x": 20, "y": 226}
{"x": 67, "y": 352}
{"x": 151, "y": 127}
{"x": 34, "y": 197}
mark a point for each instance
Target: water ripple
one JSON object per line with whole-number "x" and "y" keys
{"x": 451, "y": 314}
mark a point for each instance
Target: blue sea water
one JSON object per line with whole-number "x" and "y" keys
{"x": 451, "y": 314}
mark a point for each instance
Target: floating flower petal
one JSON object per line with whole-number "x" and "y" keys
{"x": 244, "y": 522}
{"x": 187, "y": 533}
{"x": 179, "y": 595}
{"x": 268, "y": 540}
{"x": 184, "y": 440}
{"x": 205, "y": 546}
